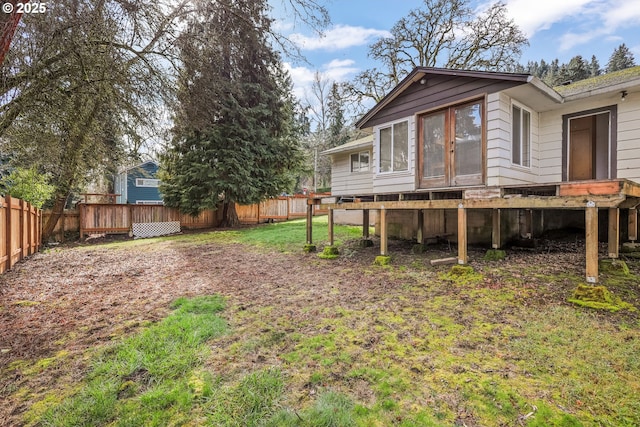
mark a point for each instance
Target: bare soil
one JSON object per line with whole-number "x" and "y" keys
{"x": 75, "y": 298}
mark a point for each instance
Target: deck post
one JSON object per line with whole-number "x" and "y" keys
{"x": 330, "y": 221}
{"x": 591, "y": 239}
{"x": 614, "y": 235}
{"x": 365, "y": 223}
{"x": 309, "y": 221}
{"x": 495, "y": 231}
{"x": 420, "y": 231}
{"x": 383, "y": 231}
{"x": 633, "y": 224}
{"x": 462, "y": 234}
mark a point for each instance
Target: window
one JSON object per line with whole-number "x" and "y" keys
{"x": 394, "y": 148}
{"x": 520, "y": 136}
{"x": 144, "y": 182}
{"x": 360, "y": 162}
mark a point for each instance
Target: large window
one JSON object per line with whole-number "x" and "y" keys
{"x": 520, "y": 136}
{"x": 360, "y": 162}
{"x": 394, "y": 148}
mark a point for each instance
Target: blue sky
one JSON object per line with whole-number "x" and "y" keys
{"x": 556, "y": 29}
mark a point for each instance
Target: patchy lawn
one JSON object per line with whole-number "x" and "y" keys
{"x": 244, "y": 328}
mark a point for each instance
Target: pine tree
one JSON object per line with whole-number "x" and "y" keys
{"x": 620, "y": 59}
{"x": 236, "y": 128}
{"x": 594, "y": 67}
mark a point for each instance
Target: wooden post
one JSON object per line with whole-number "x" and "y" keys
{"x": 633, "y": 224}
{"x": 365, "y": 223}
{"x": 309, "y": 221}
{"x": 330, "y": 221}
{"x": 383, "y": 231}
{"x": 495, "y": 231}
{"x": 420, "y": 232}
{"x": 591, "y": 237}
{"x": 462, "y": 234}
{"x": 8, "y": 234}
{"x": 614, "y": 235}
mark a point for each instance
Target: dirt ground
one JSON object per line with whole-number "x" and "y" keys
{"x": 74, "y": 298}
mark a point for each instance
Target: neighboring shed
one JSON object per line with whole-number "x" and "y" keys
{"x": 139, "y": 185}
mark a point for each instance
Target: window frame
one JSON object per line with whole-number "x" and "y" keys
{"x": 523, "y": 109}
{"x": 361, "y": 169}
{"x": 147, "y": 182}
{"x": 391, "y": 126}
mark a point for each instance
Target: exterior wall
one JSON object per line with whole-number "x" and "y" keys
{"x": 120, "y": 187}
{"x": 134, "y": 193}
{"x": 347, "y": 183}
{"x": 353, "y": 217}
{"x": 500, "y": 170}
{"x": 395, "y": 182}
{"x": 629, "y": 138}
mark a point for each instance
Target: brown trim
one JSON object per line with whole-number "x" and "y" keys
{"x": 613, "y": 138}
{"x": 449, "y": 180}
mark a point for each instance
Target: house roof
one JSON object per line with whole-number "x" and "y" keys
{"x": 537, "y": 92}
{"x": 138, "y": 165}
{"x": 356, "y": 144}
{"x": 605, "y": 83}
{"x": 419, "y": 72}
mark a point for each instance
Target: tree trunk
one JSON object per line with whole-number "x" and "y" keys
{"x": 56, "y": 213}
{"x": 229, "y": 215}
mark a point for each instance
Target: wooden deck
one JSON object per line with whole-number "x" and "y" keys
{"x": 589, "y": 196}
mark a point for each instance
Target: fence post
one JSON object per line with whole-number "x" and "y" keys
{"x": 21, "y": 231}
{"x": 30, "y": 241}
{"x": 8, "y": 233}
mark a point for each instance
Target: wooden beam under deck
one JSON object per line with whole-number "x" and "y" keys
{"x": 531, "y": 202}
{"x": 591, "y": 243}
{"x": 614, "y": 232}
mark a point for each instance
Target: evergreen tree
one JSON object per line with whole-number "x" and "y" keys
{"x": 594, "y": 67}
{"x": 338, "y": 132}
{"x": 236, "y": 134}
{"x": 620, "y": 59}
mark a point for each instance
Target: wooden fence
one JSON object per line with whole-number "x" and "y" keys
{"x": 69, "y": 223}
{"x": 20, "y": 231}
{"x": 118, "y": 219}
{"x": 278, "y": 208}
{"x": 98, "y": 218}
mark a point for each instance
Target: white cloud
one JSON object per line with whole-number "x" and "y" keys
{"x": 339, "y": 37}
{"x": 338, "y": 70}
{"x": 541, "y": 15}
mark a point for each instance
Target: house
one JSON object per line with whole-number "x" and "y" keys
{"x": 486, "y": 156}
{"x": 138, "y": 185}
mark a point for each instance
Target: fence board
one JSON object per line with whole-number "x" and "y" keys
{"x": 20, "y": 231}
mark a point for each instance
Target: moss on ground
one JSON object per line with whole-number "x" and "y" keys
{"x": 599, "y": 298}
{"x": 382, "y": 260}
{"x": 614, "y": 266}
{"x": 495, "y": 255}
{"x": 329, "y": 252}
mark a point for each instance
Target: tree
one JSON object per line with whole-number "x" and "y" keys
{"x": 620, "y": 59}
{"x": 28, "y": 185}
{"x": 443, "y": 33}
{"x": 79, "y": 79}
{"x": 577, "y": 69}
{"x": 594, "y": 67}
{"x": 236, "y": 133}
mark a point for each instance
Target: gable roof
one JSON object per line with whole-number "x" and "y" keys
{"x": 420, "y": 73}
{"x": 139, "y": 165}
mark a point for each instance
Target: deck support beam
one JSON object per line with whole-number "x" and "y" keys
{"x": 383, "y": 232}
{"x": 633, "y": 224}
{"x": 614, "y": 234}
{"x": 591, "y": 239}
{"x": 420, "y": 231}
{"x": 365, "y": 224}
{"x": 462, "y": 234}
{"x": 309, "y": 221}
{"x": 495, "y": 231}
{"x": 330, "y": 226}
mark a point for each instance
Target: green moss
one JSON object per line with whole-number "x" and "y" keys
{"x": 309, "y": 247}
{"x": 26, "y": 303}
{"x": 599, "y": 298}
{"x": 495, "y": 255}
{"x": 329, "y": 252}
{"x": 420, "y": 248}
{"x": 614, "y": 266}
{"x": 382, "y": 260}
{"x": 462, "y": 275}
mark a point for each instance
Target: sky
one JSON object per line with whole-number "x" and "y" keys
{"x": 556, "y": 29}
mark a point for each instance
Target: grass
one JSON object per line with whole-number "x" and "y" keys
{"x": 448, "y": 347}
{"x": 287, "y": 236}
